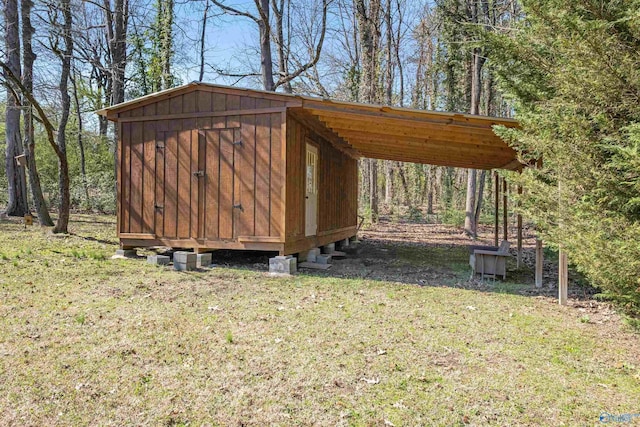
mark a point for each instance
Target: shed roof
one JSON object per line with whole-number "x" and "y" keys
{"x": 380, "y": 132}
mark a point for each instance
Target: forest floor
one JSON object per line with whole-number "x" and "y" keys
{"x": 395, "y": 334}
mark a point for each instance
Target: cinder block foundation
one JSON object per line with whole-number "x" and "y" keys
{"x": 323, "y": 259}
{"x": 328, "y": 249}
{"x": 203, "y": 260}
{"x": 183, "y": 261}
{"x": 344, "y": 243}
{"x": 158, "y": 259}
{"x": 310, "y": 255}
{"x": 283, "y": 265}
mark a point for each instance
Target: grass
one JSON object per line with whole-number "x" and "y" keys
{"x": 86, "y": 340}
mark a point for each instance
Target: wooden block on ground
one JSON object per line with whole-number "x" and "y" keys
{"x": 314, "y": 266}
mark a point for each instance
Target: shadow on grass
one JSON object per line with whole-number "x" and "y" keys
{"x": 412, "y": 263}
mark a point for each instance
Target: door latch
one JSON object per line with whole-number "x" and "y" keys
{"x": 198, "y": 174}
{"x": 238, "y": 206}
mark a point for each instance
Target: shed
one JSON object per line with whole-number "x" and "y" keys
{"x": 208, "y": 167}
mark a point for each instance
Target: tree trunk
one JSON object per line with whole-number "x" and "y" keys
{"x": 483, "y": 178}
{"x": 83, "y": 169}
{"x": 63, "y": 182}
{"x": 16, "y": 178}
{"x": 469, "y": 218}
{"x": 266, "y": 59}
{"x": 373, "y": 188}
{"x": 202, "y": 35}
{"x": 29, "y": 138}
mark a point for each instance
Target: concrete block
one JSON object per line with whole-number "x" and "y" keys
{"x": 283, "y": 265}
{"x": 323, "y": 259}
{"x": 178, "y": 266}
{"x": 128, "y": 253}
{"x": 158, "y": 259}
{"x": 310, "y": 255}
{"x": 184, "y": 257}
{"x": 327, "y": 249}
{"x": 344, "y": 243}
{"x": 204, "y": 260}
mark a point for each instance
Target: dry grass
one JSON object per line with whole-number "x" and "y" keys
{"x": 85, "y": 340}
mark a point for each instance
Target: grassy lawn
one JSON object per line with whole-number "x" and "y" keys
{"x": 86, "y": 340}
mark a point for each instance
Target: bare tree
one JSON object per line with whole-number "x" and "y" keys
{"x": 18, "y": 204}
{"x": 262, "y": 18}
{"x": 29, "y": 58}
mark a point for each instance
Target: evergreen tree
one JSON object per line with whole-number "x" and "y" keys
{"x": 574, "y": 70}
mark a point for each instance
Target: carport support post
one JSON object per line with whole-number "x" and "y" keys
{"x": 539, "y": 263}
{"x": 519, "y": 232}
{"x": 563, "y": 277}
{"x": 504, "y": 209}
{"x": 496, "y": 230}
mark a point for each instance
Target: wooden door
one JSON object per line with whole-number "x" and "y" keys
{"x": 220, "y": 201}
{"x": 311, "y": 192}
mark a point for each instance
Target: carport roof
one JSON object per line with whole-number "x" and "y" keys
{"x": 381, "y": 132}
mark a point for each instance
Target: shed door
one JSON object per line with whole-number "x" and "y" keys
{"x": 311, "y": 204}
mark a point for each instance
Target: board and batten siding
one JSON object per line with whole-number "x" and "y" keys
{"x": 337, "y": 189}
{"x": 188, "y": 176}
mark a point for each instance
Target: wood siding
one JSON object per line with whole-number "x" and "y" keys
{"x": 215, "y": 177}
{"x": 337, "y": 187}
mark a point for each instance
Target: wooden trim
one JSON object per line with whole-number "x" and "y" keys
{"x": 202, "y": 244}
{"x": 339, "y": 230}
{"x": 269, "y": 110}
{"x": 260, "y": 239}
{"x": 283, "y": 156}
{"x": 137, "y": 236}
{"x": 305, "y": 243}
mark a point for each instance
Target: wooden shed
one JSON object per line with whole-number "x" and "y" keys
{"x": 211, "y": 167}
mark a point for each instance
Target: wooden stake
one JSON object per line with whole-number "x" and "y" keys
{"x": 519, "y": 263}
{"x": 563, "y": 277}
{"x": 539, "y": 263}
{"x": 504, "y": 208}
{"x": 496, "y": 208}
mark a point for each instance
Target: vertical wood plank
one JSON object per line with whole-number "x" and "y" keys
{"x": 277, "y": 177}
{"x": 263, "y": 159}
{"x": 283, "y": 160}
{"x": 519, "y": 233}
{"x": 149, "y": 177}
{"x": 119, "y": 169}
{"x": 162, "y": 108}
{"x": 233, "y": 103}
{"x": 159, "y": 207}
{"x": 202, "y": 165}
{"x": 126, "y": 176}
{"x": 212, "y": 184}
{"x": 175, "y": 105}
{"x": 247, "y": 175}
{"x": 189, "y": 102}
{"x": 184, "y": 184}
{"x": 238, "y": 170}
{"x": 196, "y": 182}
{"x": 226, "y": 184}
{"x": 496, "y": 231}
{"x": 219, "y": 103}
{"x": 204, "y": 105}
{"x": 171, "y": 185}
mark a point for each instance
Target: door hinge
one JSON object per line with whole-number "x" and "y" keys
{"x": 198, "y": 174}
{"x": 160, "y": 146}
{"x": 238, "y": 206}
{"x": 238, "y": 142}
{"x": 159, "y": 207}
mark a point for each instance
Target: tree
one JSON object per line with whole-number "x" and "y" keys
{"x": 572, "y": 67}
{"x": 16, "y": 177}
{"x": 262, "y": 18}
{"x": 29, "y": 58}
